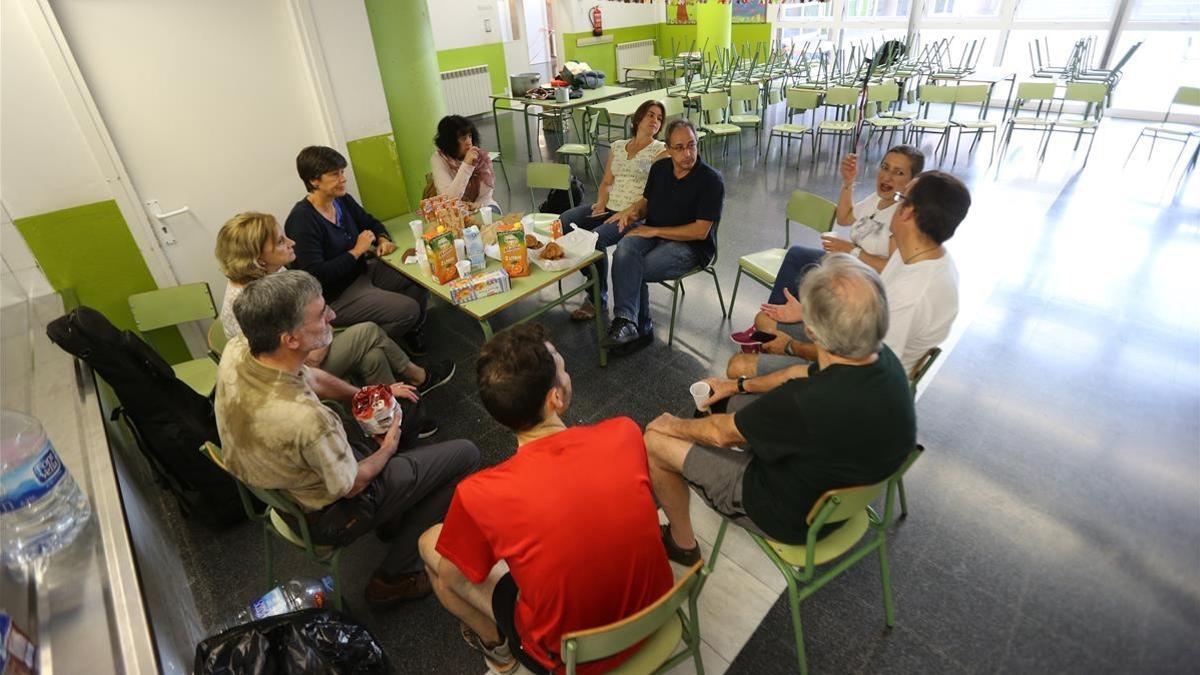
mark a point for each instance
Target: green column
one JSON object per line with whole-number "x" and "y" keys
{"x": 714, "y": 22}
{"x": 408, "y": 66}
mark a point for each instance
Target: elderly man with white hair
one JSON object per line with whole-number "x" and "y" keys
{"x": 765, "y": 463}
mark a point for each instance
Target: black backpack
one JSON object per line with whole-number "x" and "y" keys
{"x": 167, "y": 417}
{"x": 558, "y": 201}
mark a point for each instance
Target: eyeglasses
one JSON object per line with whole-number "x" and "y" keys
{"x": 680, "y": 148}
{"x": 899, "y": 197}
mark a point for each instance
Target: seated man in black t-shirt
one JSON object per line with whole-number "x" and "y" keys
{"x": 850, "y": 422}
{"x": 672, "y": 229}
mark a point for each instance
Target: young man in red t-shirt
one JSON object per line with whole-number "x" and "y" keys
{"x": 571, "y": 513}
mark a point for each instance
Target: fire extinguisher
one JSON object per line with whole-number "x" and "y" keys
{"x": 597, "y": 26}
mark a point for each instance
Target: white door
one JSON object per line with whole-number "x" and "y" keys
{"x": 537, "y": 36}
{"x": 207, "y": 104}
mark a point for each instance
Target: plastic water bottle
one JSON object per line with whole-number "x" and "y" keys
{"x": 474, "y": 242}
{"x": 41, "y": 508}
{"x": 288, "y": 597}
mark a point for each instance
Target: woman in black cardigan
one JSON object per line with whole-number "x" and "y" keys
{"x": 334, "y": 236}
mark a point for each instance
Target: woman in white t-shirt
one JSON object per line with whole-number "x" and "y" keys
{"x": 251, "y": 246}
{"x": 624, "y": 180}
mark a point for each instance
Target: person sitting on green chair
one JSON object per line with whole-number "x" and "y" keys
{"x": 571, "y": 513}
{"x": 252, "y": 245}
{"x": 763, "y": 465}
{"x": 277, "y": 434}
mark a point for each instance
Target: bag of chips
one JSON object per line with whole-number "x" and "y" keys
{"x": 374, "y": 407}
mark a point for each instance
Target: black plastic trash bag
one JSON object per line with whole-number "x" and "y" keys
{"x": 308, "y": 641}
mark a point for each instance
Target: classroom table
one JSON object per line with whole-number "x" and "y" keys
{"x": 484, "y": 309}
{"x": 655, "y": 70}
{"x": 590, "y": 96}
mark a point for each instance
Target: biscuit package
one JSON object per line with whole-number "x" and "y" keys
{"x": 479, "y": 286}
{"x": 374, "y": 407}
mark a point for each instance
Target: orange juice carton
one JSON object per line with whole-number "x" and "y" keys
{"x": 514, "y": 258}
{"x": 439, "y": 246}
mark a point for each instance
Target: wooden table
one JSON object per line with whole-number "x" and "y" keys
{"x": 590, "y": 96}
{"x": 484, "y": 309}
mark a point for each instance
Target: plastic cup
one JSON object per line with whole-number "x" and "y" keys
{"x": 464, "y": 268}
{"x": 460, "y": 248}
{"x": 485, "y": 214}
{"x": 700, "y": 392}
{"x": 418, "y": 229}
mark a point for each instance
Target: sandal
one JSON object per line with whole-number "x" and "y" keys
{"x": 585, "y": 312}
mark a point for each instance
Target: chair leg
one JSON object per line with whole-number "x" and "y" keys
{"x": 885, "y": 576}
{"x": 903, "y": 498}
{"x": 717, "y": 283}
{"x": 733, "y": 298}
{"x": 674, "y": 305}
{"x": 797, "y": 630}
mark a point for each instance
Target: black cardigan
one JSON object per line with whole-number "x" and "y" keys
{"x": 323, "y": 249}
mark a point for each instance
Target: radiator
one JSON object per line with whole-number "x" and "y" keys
{"x": 637, "y": 53}
{"x": 466, "y": 90}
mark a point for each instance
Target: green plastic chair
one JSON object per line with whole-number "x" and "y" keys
{"x": 747, "y": 98}
{"x": 216, "y": 340}
{"x": 797, "y": 100}
{"x": 844, "y": 99}
{"x": 1092, "y": 95}
{"x": 803, "y": 207}
{"x": 914, "y": 380}
{"x": 884, "y": 95}
{"x": 1168, "y": 131}
{"x": 798, "y": 563}
{"x": 167, "y": 307}
{"x": 1040, "y": 94}
{"x": 974, "y": 94}
{"x": 586, "y": 149}
{"x": 677, "y": 289}
{"x": 548, "y": 176}
{"x": 717, "y": 104}
{"x": 925, "y": 124}
{"x": 662, "y": 625}
{"x": 275, "y": 527}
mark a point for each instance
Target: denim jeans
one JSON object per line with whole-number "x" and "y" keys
{"x": 792, "y": 270}
{"x": 641, "y": 260}
{"x": 581, "y": 217}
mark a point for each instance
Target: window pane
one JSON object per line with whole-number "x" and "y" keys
{"x": 877, "y": 8}
{"x": 815, "y": 38}
{"x": 960, "y": 46}
{"x": 1094, "y": 10}
{"x": 871, "y": 39}
{"x": 1051, "y": 50}
{"x": 962, "y": 8}
{"x": 1165, "y": 60}
{"x": 1165, "y": 10}
{"x": 816, "y": 9}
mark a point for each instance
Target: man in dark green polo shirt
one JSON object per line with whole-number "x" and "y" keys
{"x": 850, "y": 422}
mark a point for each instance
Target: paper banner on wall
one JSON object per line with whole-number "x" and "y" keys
{"x": 681, "y": 12}
{"x": 749, "y": 11}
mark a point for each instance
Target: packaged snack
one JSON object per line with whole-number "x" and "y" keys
{"x": 556, "y": 229}
{"x": 513, "y": 256}
{"x": 439, "y": 246}
{"x": 479, "y": 286}
{"x": 374, "y": 407}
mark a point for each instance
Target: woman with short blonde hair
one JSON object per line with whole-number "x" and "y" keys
{"x": 252, "y": 245}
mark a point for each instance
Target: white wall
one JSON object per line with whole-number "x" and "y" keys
{"x": 345, "y": 35}
{"x": 460, "y": 23}
{"x": 573, "y": 16}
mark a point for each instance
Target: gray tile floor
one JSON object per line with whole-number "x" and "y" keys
{"x": 1054, "y": 522}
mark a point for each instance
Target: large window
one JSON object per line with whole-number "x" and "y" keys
{"x": 1165, "y": 10}
{"x": 878, "y": 9}
{"x": 1044, "y": 10}
{"x": 962, "y": 8}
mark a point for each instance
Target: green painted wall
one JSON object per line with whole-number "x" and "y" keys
{"x": 683, "y": 34}
{"x": 380, "y": 181}
{"x": 603, "y": 57}
{"x": 89, "y": 248}
{"x": 491, "y": 55}
{"x": 408, "y": 68}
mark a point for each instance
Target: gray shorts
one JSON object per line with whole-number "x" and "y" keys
{"x": 769, "y": 363}
{"x": 716, "y": 475}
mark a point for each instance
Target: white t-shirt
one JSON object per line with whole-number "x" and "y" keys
{"x": 872, "y": 227}
{"x": 922, "y": 304}
{"x": 629, "y": 175}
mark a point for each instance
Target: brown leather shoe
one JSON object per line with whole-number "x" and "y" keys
{"x": 381, "y": 592}
{"x": 585, "y": 312}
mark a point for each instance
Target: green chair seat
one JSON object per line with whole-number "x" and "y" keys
{"x": 836, "y": 125}
{"x": 788, "y": 128}
{"x": 1036, "y": 121}
{"x": 833, "y": 545}
{"x": 976, "y": 124}
{"x": 745, "y": 119}
{"x": 899, "y": 114}
{"x": 722, "y": 129}
{"x": 199, "y": 374}
{"x": 574, "y": 149}
{"x": 931, "y": 124}
{"x": 1077, "y": 124}
{"x": 655, "y": 650}
{"x": 763, "y": 265}
{"x": 887, "y": 122}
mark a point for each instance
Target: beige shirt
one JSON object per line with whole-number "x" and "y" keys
{"x": 629, "y": 175}
{"x": 277, "y": 434}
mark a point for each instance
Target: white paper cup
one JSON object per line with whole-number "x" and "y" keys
{"x": 464, "y": 268}
{"x": 700, "y": 392}
{"x": 485, "y": 214}
{"x": 460, "y": 248}
{"x": 418, "y": 229}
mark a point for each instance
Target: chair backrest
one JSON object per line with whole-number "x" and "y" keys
{"x": 272, "y": 498}
{"x": 803, "y": 99}
{"x": 745, "y": 92}
{"x": 841, "y": 96}
{"x": 598, "y": 643}
{"x": 922, "y": 366}
{"x": 847, "y": 502}
{"x": 811, "y": 210}
{"x": 548, "y": 176}
{"x": 714, "y": 101}
{"x": 1086, "y": 92}
{"x": 885, "y": 92}
{"x": 932, "y": 93}
{"x": 1034, "y": 91}
{"x": 1187, "y": 96}
{"x": 216, "y": 338}
{"x": 971, "y": 93}
{"x": 172, "y": 306}
{"x": 673, "y": 106}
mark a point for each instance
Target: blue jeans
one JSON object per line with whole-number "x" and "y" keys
{"x": 581, "y": 217}
{"x": 792, "y": 270}
{"x": 641, "y": 260}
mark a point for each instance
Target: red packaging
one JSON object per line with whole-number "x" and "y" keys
{"x": 373, "y": 407}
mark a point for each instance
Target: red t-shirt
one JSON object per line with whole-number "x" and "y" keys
{"x": 574, "y": 517}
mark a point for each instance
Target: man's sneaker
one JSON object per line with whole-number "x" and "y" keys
{"x": 499, "y": 659}
{"x": 752, "y": 348}
{"x": 436, "y": 374}
{"x": 676, "y": 553}
{"x": 744, "y": 337}
{"x": 414, "y": 343}
{"x": 624, "y": 338}
{"x": 382, "y": 592}
{"x": 428, "y": 428}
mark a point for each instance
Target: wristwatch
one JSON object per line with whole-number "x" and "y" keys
{"x": 742, "y": 384}
{"x": 856, "y": 252}
{"x": 787, "y": 349}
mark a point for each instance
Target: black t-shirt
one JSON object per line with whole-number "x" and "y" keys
{"x": 839, "y": 427}
{"x": 671, "y": 201}
{"x": 323, "y": 248}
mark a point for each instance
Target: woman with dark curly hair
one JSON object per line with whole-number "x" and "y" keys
{"x": 461, "y": 169}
